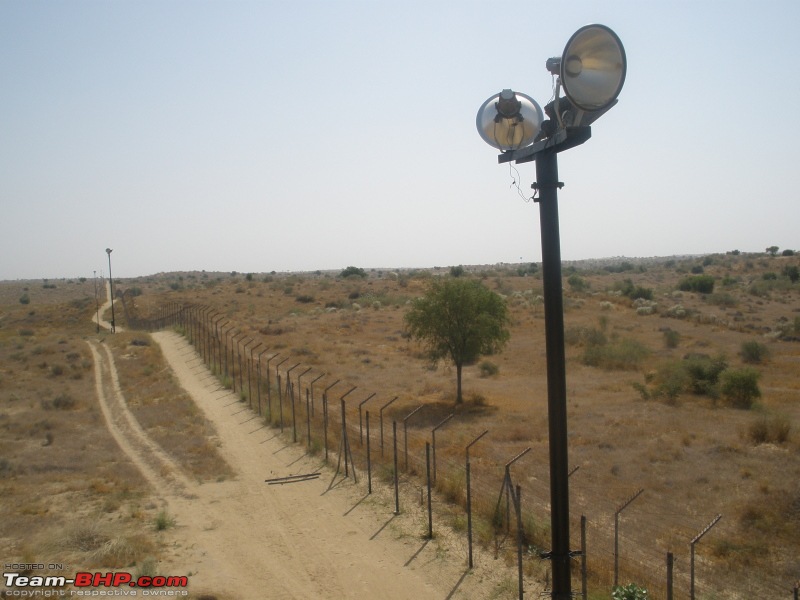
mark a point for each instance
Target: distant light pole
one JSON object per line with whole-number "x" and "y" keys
{"x": 111, "y": 286}
{"x": 96, "y": 304}
{"x": 592, "y": 72}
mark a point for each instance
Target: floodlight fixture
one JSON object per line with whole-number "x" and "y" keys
{"x": 592, "y": 67}
{"x": 509, "y": 120}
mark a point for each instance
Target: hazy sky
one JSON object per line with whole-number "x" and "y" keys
{"x": 304, "y": 135}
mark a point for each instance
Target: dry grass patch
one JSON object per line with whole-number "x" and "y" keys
{"x": 684, "y": 451}
{"x": 152, "y": 391}
{"x": 59, "y": 467}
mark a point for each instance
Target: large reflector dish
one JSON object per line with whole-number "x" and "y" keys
{"x": 593, "y": 67}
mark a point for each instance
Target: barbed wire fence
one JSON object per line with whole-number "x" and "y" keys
{"x": 498, "y": 506}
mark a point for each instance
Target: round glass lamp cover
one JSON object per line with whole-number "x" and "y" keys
{"x": 509, "y": 132}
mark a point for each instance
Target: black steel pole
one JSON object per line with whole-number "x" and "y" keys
{"x": 96, "y": 304}
{"x": 111, "y": 291}
{"x": 548, "y": 185}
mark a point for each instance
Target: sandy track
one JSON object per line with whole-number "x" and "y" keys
{"x": 156, "y": 466}
{"x": 246, "y": 539}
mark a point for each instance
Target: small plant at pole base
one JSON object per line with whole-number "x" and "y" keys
{"x": 629, "y": 592}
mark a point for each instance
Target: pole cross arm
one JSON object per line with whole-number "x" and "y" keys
{"x": 563, "y": 139}
{"x": 624, "y": 505}
{"x": 706, "y": 530}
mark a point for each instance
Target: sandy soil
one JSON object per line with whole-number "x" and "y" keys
{"x": 248, "y": 539}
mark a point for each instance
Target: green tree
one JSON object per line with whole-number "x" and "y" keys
{"x": 459, "y": 319}
{"x": 353, "y": 272}
{"x": 772, "y": 250}
{"x": 457, "y": 271}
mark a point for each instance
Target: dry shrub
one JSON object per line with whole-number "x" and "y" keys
{"x": 102, "y": 548}
{"x": 618, "y": 354}
{"x": 740, "y": 387}
{"x": 453, "y": 487}
{"x": 84, "y": 537}
{"x": 122, "y": 551}
{"x": 773, "y": 429}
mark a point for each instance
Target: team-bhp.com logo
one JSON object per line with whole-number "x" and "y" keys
{"x": 92, "y": 584}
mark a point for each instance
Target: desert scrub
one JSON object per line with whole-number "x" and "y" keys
{"x": 702, "y": 284}
{"x": 753, "y": 352}
{"x": 489, "y": 369}
{"x": 704, "y": 373}
{"x": 62, "y": 401}
{"x": 739, "y": 387}
{"x": 671, "y": 381}
{"x": 773, "y": 429}
{"x": 697, "y": 374}
{"x": 164, "y": 521}
{"x": 618, "y": 354}
{"x": 671, "y": 338}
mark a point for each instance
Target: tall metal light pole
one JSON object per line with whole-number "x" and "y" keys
{"x": 96, "y": 304}
{"x": 592, "y": 71}
{"x": 111, "y": 286}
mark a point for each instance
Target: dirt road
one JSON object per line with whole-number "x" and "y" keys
{"x": 247, "y": 539}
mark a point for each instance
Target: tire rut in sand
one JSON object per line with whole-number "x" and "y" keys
{"x": 157, "y": 467}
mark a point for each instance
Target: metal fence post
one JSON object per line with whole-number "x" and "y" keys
{"x": 469, "y": 515}
{"x": 311, "y": 385}
{"x": 520, "y": 534}
{"x": 405, "y": 432}
{"x": 380, "y": 415}
{"x": 325, "y": 416}
{"x": 280, "y": 391}
{"x": 620, "y": 508}
{"x": 670, "y": 564}
{"x": 428, "y": 479}
{"x": 433, "y": 439}
{"x": 396, "y": 482}
{"x": 308, "y": 418}
{"x": 692, "y": 545}
{"x": 469, "y": 497}
{"x": 583, "y": 557}
{"x": 360, "y": 428}
{"x": 369, "y": 461}
{"x": 249, "y": 376}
